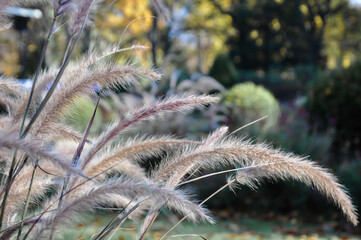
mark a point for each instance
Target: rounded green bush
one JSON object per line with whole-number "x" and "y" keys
{"x": 247, "y": 102}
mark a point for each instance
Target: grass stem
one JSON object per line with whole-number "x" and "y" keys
{"x": 27, "y": 202}
{"x": 7, "y": 188}
{"x": 41, "y": 60}
{"x": 58, "y": 76}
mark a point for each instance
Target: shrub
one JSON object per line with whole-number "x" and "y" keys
{"x": 294, "y": 134}
{"x": 334, "y": 100}
{"x": 247, "y": 102}
{"x": 284, "y": 83}
{"x": 224, "y": 70}
{"x": 350, "y": 174}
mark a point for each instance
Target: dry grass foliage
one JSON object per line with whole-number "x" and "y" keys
{"x": 68, "y": 172}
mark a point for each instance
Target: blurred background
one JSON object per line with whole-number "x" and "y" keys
{"x": 296, "y": 61}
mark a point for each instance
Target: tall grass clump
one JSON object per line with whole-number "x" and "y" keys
{"x": 50, "y": 172}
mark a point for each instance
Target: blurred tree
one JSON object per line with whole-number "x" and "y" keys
{"x": 342, "y": 37}
{"x": 9, "y": 57}
{"x": 118, "y": 14}
{"x": 211, "y": 28}
{"x": 146, "y": 27}
{"x": 278, "y": 33}
{"x": 18, "y": 45}
{"x": 122, "y": 14}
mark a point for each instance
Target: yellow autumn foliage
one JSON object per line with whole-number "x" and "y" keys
{"x": 123, "y": 13}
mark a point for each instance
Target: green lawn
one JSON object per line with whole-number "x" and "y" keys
{"x": 246, "y": 229}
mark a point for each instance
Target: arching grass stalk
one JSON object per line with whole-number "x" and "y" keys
{"x": 109, "y": 225}
{"x": 196, "y": 170}
{"x": 7, "y": 188}
{"x": 75, "y": 160}
{"x": 213, "y": 194}
{"x": 154, "y": 216}
{"x": 58, "y": 76}
{"x": 203, "y": 202}
{"x": 38, "y": 68}
{"x": 7, "y": 232}
{"x": 41, "y": 60}
{"x": 26, "y": 202}
{"x": 118, "y": 220}
{"x": 37, "y": 220}
{"x": 222, "y": 172}
{"x": 43, "y": 103}
{"x": 11, "y": 171}
{"x": 67, "y": 192}
{"x": 67, "y": 57}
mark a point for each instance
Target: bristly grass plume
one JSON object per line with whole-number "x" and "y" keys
{"x": 84, "y": 172}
